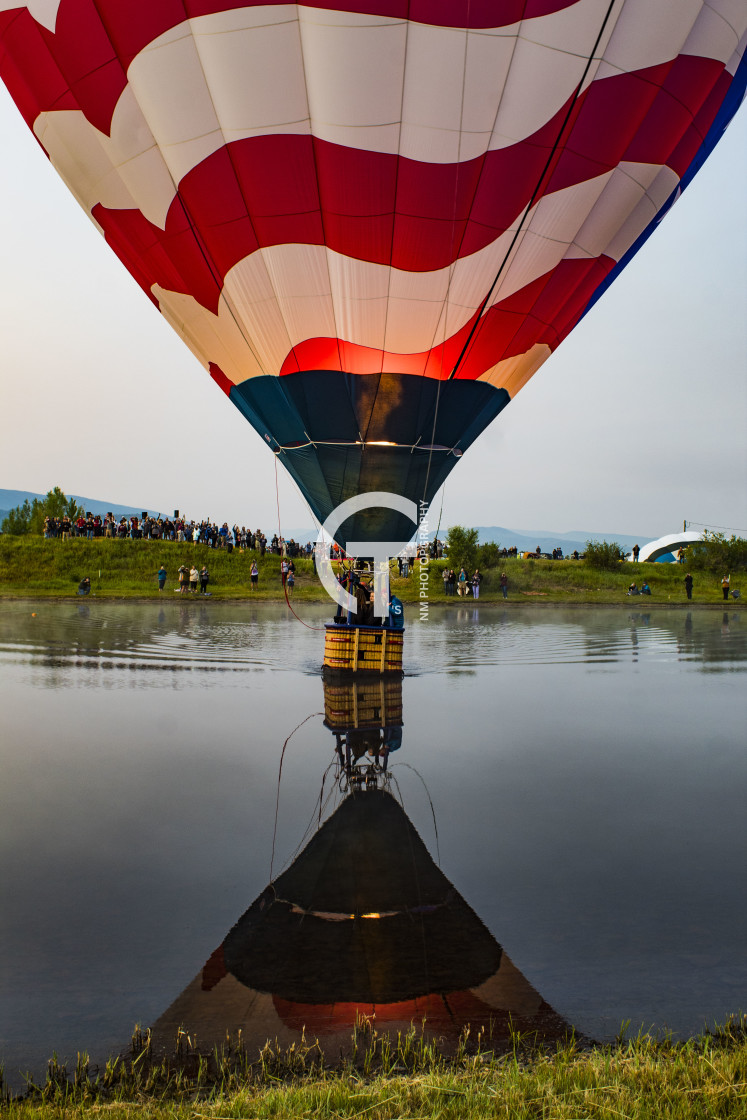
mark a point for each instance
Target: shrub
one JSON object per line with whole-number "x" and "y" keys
{"x": 18, "y": 521}
{"x": 462, "y": 547}
{"x": 488, "y": 555}
{"x": 604, "y": 554}
{"x": 715, "y": 552}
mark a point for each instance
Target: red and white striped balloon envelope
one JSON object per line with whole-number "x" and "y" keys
{"x": 373, "y": 223}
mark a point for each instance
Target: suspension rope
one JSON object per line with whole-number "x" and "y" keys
{"x": 416, "y": 880}
{"x": 315, "y": 814}
{"x": 280, "y": 772}
{"x": 430, "y": 802}
{"x": 320, "y": 629}
{"x": 440, "y": 512}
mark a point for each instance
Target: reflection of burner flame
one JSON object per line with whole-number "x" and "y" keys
{"x": 362, "y": 924}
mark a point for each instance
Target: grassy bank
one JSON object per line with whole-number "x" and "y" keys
{"x": 34, "y": 567}
{"x": 641, "y": 1079}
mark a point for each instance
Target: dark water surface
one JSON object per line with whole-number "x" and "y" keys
{"x": 587, "y": 774}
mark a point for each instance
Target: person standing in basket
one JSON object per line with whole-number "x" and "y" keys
{"x": 396, "y": 618}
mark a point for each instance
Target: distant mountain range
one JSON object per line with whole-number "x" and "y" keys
{"x": 525, "y": 540}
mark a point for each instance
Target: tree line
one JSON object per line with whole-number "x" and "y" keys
{"x": 29, "y": 516}
{"x": 715, "y": 552}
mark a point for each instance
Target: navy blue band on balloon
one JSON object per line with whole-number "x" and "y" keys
{"x": 342, "y": 434}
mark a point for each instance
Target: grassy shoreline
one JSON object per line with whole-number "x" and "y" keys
{"x": 641, "y": 1079}
{"x": 34, "y": 568}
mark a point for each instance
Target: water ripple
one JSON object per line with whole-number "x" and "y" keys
{"x": 223, "y": 638}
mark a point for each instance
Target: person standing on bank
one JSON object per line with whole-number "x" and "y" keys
{"x": 725, "y": 586}
{"x": 254, "y": 575}
{"x": 636, "y": 550}
{"x": 689, "y": 585}
{"x": 476, "y": 580}
{"x": 504, "y": 584}
{"x": 161, "y": 577}
{"x": 204, "y": 579}
{"x": 194, "y": 576}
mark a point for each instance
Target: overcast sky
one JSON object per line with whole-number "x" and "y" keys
{"x": 637, "y": 422}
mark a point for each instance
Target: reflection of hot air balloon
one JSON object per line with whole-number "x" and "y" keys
{"x": 373, "y": 225}
{"x": 362, "y": 923}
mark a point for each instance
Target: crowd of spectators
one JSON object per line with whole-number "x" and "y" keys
{"x": 182, "y": 530}
{"x": 177, "y": 529}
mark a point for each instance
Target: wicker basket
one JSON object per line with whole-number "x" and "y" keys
{"x": 362, "y": 649}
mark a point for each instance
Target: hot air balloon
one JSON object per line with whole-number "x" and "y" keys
{"x": 362, "y": 925}
{"x": 373, "y": 222}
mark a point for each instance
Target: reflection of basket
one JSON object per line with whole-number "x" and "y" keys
{"x": 358, "y": 649}
{"x": 363, "y": 703}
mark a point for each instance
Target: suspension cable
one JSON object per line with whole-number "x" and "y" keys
{"x": 280, "y": 772}
{"x": 319, "y": 629}
{"x": 704, "y": 525}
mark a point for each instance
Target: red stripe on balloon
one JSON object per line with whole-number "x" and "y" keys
{"x": 543, "y": 313}
{"x": 448, "y": 1014}
{"x": 220, "y": 378}
{"x": 28, "y": 67}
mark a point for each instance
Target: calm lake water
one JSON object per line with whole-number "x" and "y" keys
{"x": 578, "y": 776}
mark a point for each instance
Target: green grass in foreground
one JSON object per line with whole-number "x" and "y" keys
{"x": 641, "y": 1079}
{"x": 35, "y": 568}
